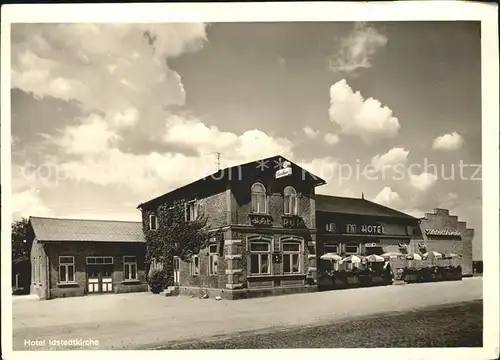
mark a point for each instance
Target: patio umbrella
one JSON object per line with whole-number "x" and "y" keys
{"x": 374, "y": 258}
{"x": 451, "y": 256}
{"x": 331, "y": 256}
{"x": 433, "y": 255}
{"x": 413, "y": 257}
{"x": 391, "y": 255}
{"x": 352, "y": 258}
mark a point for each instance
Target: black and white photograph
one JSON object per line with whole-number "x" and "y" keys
{"x": 178, "y": 178}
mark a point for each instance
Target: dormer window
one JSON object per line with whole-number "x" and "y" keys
{"x": 259, "y": 199}
{"x": 153, "y": 222}
{"x": 290, "y": 205}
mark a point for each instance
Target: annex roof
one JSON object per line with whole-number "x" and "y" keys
{"x": 356, "y": 206}
{"x": 54, "y": 229}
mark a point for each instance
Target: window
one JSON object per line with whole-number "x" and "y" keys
{"x": 39, "y": 269}
{"x": 334, "y": 249}
{"x": 129, "y": 268}
{"x": 403, "y": 248}
{"x": 66, "y": 269}
{"x": 351, "y": 249}
{"x": 192, "y": 210}
{"x": 331, "y": 227}
{"x": 291, "y": 258}
{"x": 153, "y": 222}
{"x": 99, "y": 260}
{"x": 213, "y": 258}
{"x": 260, "y": 256}
{"x": 259, "y": 199}
{"x": 33, "y": 270}
{"x": 195, "y": 265}
{"x": 290, "y": 196}
{"x": 156, "y": 265}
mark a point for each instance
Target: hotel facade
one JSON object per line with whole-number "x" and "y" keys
{"x": 268, "y": 229}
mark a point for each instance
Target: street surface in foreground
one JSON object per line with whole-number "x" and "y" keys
{"x": 458, "y": 325}
{"x": 145, "y": 320}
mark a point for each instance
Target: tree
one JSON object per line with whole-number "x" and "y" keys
{"x": 21, "y": 246}
{"x": 21, "y": 241}
{"x": 175, "y": 236}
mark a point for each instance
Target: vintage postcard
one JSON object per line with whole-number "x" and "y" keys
{"x": 301, "y": 177}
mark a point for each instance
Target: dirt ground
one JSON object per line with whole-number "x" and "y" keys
{"x": 145, "y": 320}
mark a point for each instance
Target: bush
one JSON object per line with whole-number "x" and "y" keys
{"x": 157, "y": 281}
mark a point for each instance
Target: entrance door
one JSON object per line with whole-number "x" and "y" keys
{"x": 99, "y": 274}
{"x": 99, "y": 279}
{"x": 177, "y": 265}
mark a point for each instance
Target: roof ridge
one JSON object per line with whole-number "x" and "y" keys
{"x": 73, "y": 219}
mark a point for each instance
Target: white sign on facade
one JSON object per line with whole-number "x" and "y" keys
{"x": 286, "y": 171}
{"x": 444, "y": 232}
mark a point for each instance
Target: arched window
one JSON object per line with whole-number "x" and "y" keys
{"x": 259, "y": 201}
{"x": 290, "y": 196}
{"x": 260, "y": 255}
{"x": 292, "y": 256}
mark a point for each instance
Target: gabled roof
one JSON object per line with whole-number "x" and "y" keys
{"x": 52, "y": 229}
{"x": 231, "y": 172}
{"x": 356, "y": 206}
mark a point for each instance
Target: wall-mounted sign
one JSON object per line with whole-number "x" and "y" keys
{"x": 351, "y": 228}
{"x": 291, "y": 221}
{"x": 256, "y": 219}
{"x": 286, "y": 171}
{"x": 372, "y": 245}
{"x": 442, "y": 232}
{"x": 372, "y": 229}
{"x": 331, "y": 227}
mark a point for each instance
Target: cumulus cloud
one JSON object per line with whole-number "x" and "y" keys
{"x": 393, "y": 157}
{"x": 423, "y": 181}
{"x": 310, "y": 132}
{"x": 332, "y": 139}
{"x": 452, "y": 141}
{"x": 357, "y": 49}
{"x": 28, "y": 203}
{"x": 356, "y": 116}
{"x": 120, "y": 70}
{"x": 387, "y": 197}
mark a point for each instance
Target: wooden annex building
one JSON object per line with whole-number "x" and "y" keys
{"x": 84, "y": 257}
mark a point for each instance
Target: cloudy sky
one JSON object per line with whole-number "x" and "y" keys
{"x": 107, "y": 116}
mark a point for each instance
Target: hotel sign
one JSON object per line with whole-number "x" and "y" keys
{"x": 286, "y": 171}
{"x": 372, "y": 229}
{"x": 443, "y": 232}
{"x": 262, "y": 220}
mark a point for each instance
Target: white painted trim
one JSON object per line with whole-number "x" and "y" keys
{"x": 310, "y": 269}
{"x": 232, "y": 257}
{"x": 234, "y": 286}
{"x": 232, "y": 242}
{"x": 129, "y": 263}
{"x": 66, "y": 265}
{"x": 311, "y": 256}
{"x": 234, "y": 271}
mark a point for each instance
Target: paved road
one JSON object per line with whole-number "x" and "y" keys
{"x": 146, "y": 320}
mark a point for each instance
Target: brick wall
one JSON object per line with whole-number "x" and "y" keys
{"x": 80, "y": 251}
{"x": 237, "y": 255}
{"x": 442, "y": 220}
{"x": 242, "y": 206}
